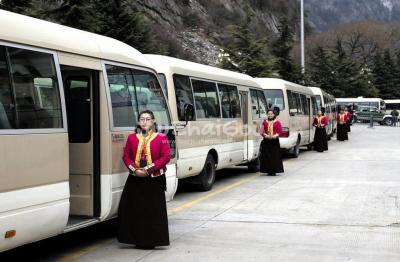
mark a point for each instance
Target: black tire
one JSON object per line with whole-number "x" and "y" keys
{"x": 388, "y": 121}
{"x": 310, "y": 147}
{"x": 295, "y": 151}
{"x": 207, "y": 175}
{"x": 254, "y": 166}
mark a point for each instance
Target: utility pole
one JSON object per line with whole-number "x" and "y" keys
{"x": 302, "y": 36}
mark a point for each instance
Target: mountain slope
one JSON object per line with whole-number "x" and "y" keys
{"x": 325, "y": 14}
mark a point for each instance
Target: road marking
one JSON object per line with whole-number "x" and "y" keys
{"x": 86, "y": 250}
{"x": 193, "y": 202}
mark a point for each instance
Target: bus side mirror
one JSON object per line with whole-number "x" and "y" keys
{"x": 188, "y": 112}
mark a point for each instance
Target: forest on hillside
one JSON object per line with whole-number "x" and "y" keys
{"x": 256, "y": 37}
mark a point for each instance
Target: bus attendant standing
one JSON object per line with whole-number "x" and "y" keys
{"x": 348, "y": 117}
{"x": 142, "y": 210}
{"x": 320, "y": 138}
{"x": 341, "y": 126}
{"x": 270, "y": 157}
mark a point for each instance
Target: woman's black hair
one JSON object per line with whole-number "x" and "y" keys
{"x": 155, "y": 127}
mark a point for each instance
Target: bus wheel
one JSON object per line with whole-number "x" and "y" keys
{"x": 296, "y": 149}
{"x": 254, "y": 166}
{"x": 388, "y": 121}
{"x": 207, "y": 175}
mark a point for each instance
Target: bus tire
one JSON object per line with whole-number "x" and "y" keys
{"x": 295, "y": 151}
{"x": 207, "y": 175}
{"x": 254, "y": 166}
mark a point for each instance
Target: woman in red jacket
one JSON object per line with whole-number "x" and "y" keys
{"x": 320, "y": 137}
{"x": 142, "y": 210}
{"x": 270, "y": 157}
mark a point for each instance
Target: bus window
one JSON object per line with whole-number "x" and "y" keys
{"x": 230, "y": 103}
{"x": 33, "y": 101}
{"x": 274, "y": 98}
{"x": 132, "y": 91}
{"x": 259, "y": 104}
{"x": 183, "y": 94}
{"x": 319, "y": 101}
{"x": 6, "y": 104}
{"x": 314, "y": 105}
{"x": 304, "y": 104}
{"x": 163, "y": 82}
{"x": 262, "y": 104}
{"x": 292, "y": 103}
{"x": 206, "y": 99}
{"x": 298, "y": 103}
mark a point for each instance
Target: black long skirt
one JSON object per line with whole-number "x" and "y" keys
{"x": 342, "y": 132}
{"x": 320, "y": 139}
{"x": 348, "y": 126}
{"x": 142, "y": 213}
{"x": 270, "y": 157}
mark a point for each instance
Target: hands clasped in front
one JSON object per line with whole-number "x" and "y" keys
{"x": 269, "y": 136}
{"x": 140, "y": 172}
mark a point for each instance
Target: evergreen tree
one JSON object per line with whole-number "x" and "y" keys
{"x": 121, "y": 20}
{"x": 281, "y": 48}
{"x": 321, "y": 71}
{"x": 75, "y": 13}
{"x": 246, "y": 53}
{"x": 386, "y": 75}
{"x": 16, "y": 6}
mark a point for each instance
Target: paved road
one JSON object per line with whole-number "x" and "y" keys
{"x": 340, "y": 205}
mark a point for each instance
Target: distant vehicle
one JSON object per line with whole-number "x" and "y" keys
{"x": 365, "y": 107}
{"x": 391, "y": 105}
{"x": 328, "y": 103}
{"x": 297, "y": 106}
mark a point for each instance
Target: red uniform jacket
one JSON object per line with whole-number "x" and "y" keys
{"x": 157, "y": 152}
{"x": 348, "y": 115}
{"x": 341, "y": 118}
{"x": 322, "y": 120}
{"x": 276, "y": 128}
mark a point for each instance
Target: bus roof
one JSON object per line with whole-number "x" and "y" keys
{"x": 319, "y": 91}
{"x": 20, "y": 29}
{"x": 276, "y": 83}
{"x": 392, "y": 101}
{"x": 358, "y": 99}
{"x": 171, "y": 65}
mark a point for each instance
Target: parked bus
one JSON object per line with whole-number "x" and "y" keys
{"x": 364, "y": 108}
{"x": 392, "y": 104}
{"x": 68, "y": 101}
{"x": 327, "y": 103}
{"x": 297, "y": 106}
{"x": 222, "y": 131}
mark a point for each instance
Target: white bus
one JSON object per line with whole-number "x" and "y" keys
{"x": 68, "y": 101}
{"x": 364, "y": 108}
{"x": 392, "y": 104}
{"x": 297, "y": 106}
{"x": 327, "y": 102}
{"x": 222, "y": 131}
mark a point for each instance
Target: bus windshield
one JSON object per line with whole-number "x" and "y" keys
{"x": 132, "y": 91}
{"x": 274, "y": 98}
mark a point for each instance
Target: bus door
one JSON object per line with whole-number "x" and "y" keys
{"x": 310, "y": 121}
{"x": 244, "y": 96}
{"x": 82, "y": 103}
